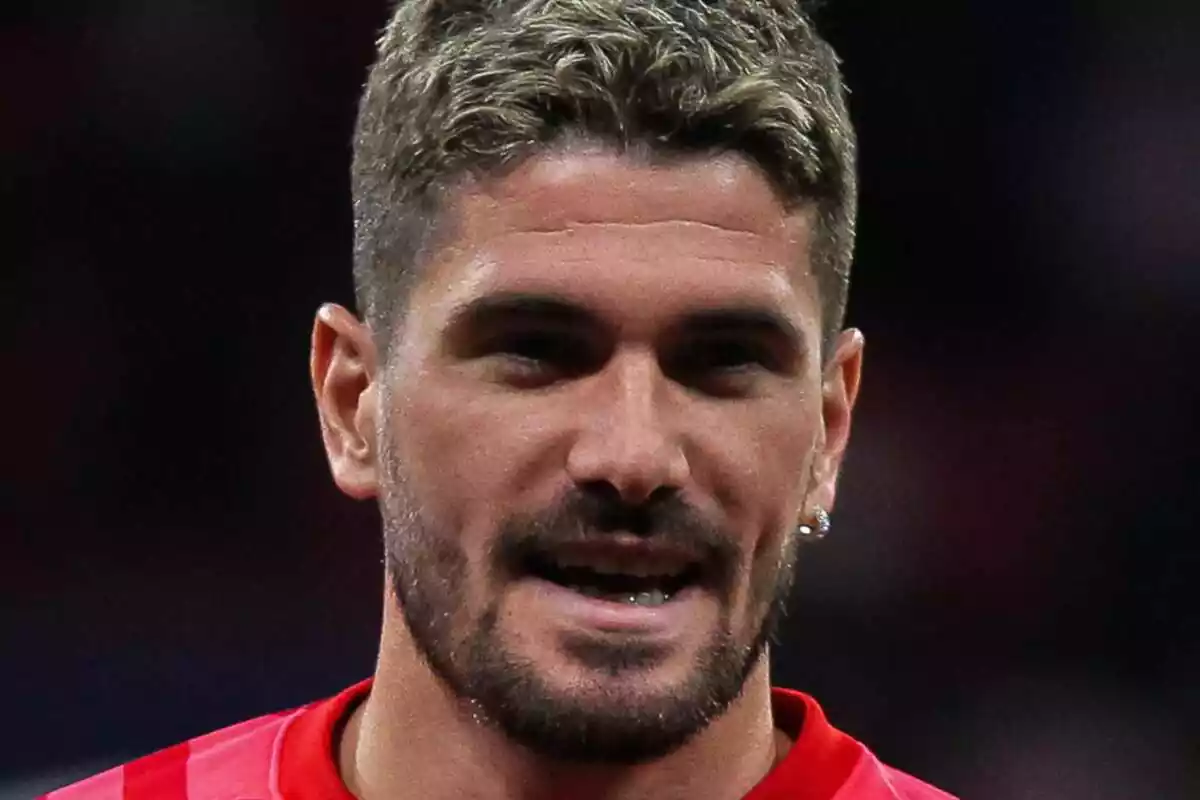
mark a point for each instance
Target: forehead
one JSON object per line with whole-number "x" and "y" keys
{"x": 625, "y": 238}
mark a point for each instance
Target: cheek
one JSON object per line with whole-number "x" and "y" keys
{"x": 472, "y": 458}
{"x": 756, "y": 463}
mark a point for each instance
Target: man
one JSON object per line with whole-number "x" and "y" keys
{"x": 601, "y": 392}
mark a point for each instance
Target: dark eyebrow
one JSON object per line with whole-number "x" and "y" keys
{"x": 755, "y": 320}
{"x": 505, "y": 306}
{"x": 499, "y": 307}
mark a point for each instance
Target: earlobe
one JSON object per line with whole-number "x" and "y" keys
{"x": 839, "y": 393}
{"x": 343, "y": 370}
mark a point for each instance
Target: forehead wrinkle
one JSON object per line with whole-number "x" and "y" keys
{"x": 740, "y": 262}
{"x": 571, "y": 225}
{"x": 563, "y": 189}
{"x": 739, "y": 249}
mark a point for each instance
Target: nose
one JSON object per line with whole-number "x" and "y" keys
{"x": 627, "y": 438}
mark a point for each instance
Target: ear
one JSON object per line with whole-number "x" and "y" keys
{"x": 343, "y": 366}
{"x": 839, "y": 391}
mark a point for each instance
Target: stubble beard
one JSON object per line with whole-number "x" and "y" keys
{"x": 601, "y": 724}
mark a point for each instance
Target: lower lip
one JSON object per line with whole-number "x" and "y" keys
{"x": 615, "y": 617}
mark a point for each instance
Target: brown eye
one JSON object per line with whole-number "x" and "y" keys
{"x": 729, "y": 355}
{"x": 732, "y": 355}
{"x": 541, "y": 346}
{"x": 539, "y": 357}
{"x": 723, "y": 367}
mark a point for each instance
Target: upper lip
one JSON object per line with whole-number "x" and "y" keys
{"x": 627, "y": 552}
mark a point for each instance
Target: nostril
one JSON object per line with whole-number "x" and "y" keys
{"x": 601, "y": 492}
{"x": 635, "y": 492}
{"x": 663, "y": 495}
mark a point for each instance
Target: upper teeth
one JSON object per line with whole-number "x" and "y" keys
{"x": 638, "y": 568}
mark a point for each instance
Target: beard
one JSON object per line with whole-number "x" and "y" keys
{"x": 605, "y": 722}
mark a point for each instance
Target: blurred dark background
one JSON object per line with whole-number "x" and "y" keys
{"x": 1006, "y": 606}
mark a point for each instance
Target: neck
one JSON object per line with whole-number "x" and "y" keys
{"x": 413, "y": 738}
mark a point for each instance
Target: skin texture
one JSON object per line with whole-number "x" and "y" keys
{"x": 468, "y": 429}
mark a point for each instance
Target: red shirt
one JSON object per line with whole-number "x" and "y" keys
{"x": 290, "y": 756}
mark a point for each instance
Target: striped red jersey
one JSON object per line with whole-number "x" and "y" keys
{"x": 290, "y": 756}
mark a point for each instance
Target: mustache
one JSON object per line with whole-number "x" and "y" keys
{"x": 586, "y": 516}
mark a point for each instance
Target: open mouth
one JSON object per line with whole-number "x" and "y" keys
{"x": 632, "y": 580}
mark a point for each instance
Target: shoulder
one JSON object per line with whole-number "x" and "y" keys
{"x": 875, "y": 780}
{"x": 233, "y": 762}
{"x": 825, "y": 763}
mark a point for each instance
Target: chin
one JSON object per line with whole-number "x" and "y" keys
{"x": 584, "y": 697}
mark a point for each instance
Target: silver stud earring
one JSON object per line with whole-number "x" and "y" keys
{"x": 817, "y": 530}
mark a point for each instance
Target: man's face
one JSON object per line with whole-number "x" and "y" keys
{"x": 596, "y": 435}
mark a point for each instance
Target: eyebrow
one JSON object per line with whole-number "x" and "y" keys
{"x": 746, "y": 319}
{"x": 750, "y": 319}
{"x": 517, "y": 305}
